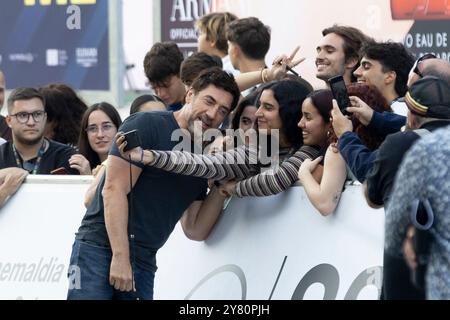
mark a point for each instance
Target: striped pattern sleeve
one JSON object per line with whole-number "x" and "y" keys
{"x": 238, "y": 163}
{"x": 278, "y": 180}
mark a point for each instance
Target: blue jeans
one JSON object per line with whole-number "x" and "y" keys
{"x": 89, "y": 274}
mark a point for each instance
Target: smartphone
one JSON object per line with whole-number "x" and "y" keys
{"x": 132, "y": 139}
{"x": 59, "y": 171}
{"x": 340, "y": 93}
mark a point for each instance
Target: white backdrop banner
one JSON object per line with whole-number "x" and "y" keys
{"x": 37, "y": 230}
{"x": 277, "y": 247}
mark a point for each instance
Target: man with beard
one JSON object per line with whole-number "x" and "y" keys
{"x": 130, "y": 218}
{"x": 29, "y": 150}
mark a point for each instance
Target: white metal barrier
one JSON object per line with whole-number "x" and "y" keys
{"x": 276, "y": 247}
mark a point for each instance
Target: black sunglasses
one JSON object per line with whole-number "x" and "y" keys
{"x": 418, "y": 61}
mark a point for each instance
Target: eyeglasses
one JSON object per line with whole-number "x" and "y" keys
{"x": 418, "y": 61}
{"x": 106, "y": 127}
{"x": 23, "y": 117}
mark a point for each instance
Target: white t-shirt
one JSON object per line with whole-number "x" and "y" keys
{"x": 2, "y": 141}
{"x": 228, "y": 66}
{"x": 399, "y": 107}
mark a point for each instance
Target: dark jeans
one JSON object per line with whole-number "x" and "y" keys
{"x": 397, "y": 283}
{"x": 89, "y": 275}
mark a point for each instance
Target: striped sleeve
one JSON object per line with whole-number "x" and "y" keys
{"x": 238, "y": 163}
{"x": 276, "y": 181}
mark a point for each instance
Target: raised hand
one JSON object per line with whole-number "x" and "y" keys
{"x": 341, "y": 123}
{"x": 133, "y": 154}
{"x": 281, "y": 63}
{"x": 360, "y": 110}
{"x": 80, "y": 163}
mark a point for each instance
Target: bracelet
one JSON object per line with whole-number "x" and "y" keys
{"x": 142, "y": 156}
{"x": 265, "y": 75}
{"x": 262, "y": 75}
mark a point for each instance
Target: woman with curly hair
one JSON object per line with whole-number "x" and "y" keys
{"x": 64, "y": 112}
{"x": 325, "y": 195}
{"x": 279, "y": 111}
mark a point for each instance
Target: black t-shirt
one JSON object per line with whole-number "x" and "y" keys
{"x": 175, "y": 107}
{"x": 381, "y": 177}
{"x": 159, "y": 197}
{"x": 56, "y": 156}
{"x": 5, "y": 131}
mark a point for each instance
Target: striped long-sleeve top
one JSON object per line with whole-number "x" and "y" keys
{"x": 240, "y": 164}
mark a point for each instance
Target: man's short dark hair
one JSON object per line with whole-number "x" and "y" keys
{"x": 251, "y": 35}
{"x": 392, "y": 56}
{"x": 162, "y": 61}
{"x": 354, "y": 40}
{"x": 24, "y": 94}
{"x": 220, "y": 79}
{"x": 196, "y": 63}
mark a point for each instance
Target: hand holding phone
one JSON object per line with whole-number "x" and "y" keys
{"x": 132, "y": 139}
{"x": 59, "y": 171}
{"x": 339, "y": 90}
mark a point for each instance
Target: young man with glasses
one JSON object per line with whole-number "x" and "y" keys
{"x": 29, "y": 150}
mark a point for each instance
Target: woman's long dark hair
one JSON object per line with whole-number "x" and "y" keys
{"x": 290, "y": 96}
{"x": 64, "y": 109}
{"x": 83, "y": 141}
{"x": 249, "y": 100}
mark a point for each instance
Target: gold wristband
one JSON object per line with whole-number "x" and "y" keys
{"x": 264, "y": 75}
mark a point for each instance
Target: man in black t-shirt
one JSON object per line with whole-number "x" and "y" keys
{"x": 115, "y": 247}
{"x": 29, "y": 149}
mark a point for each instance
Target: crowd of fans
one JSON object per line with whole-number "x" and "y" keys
{"x": 395, "y": 100}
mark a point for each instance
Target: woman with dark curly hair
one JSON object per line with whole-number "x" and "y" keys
{"x": 325, "y": 195}
{"x": 64, "y": 112}
{"x": 279, "y": 110}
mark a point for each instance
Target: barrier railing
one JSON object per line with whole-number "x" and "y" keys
{"x": 276, "y": 247}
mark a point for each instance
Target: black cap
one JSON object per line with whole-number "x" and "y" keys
{"x": 429, "y": 97}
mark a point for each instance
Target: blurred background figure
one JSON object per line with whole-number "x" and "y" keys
{"x": 147, "y": 102}
{"x": 196, "y": 63}
{"x": 5, "y": 131}
{"x": 162, "y": 67}
{"x": 212, "y": 38}
{"x": 65, "y": 110}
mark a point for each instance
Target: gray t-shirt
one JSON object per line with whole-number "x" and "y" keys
{"x": 159, "y": 197}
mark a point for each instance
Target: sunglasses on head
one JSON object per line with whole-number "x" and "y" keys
{"x": 418, "y": 61}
